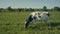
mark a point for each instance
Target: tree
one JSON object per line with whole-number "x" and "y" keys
{"x": 44, "y": 8}
{"x": 9, "y": 8}
{"x": 56, "y": 8}
{"x": 1, "y": 9}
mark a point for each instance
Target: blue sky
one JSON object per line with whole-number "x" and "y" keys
{"x": 29, "y": 3}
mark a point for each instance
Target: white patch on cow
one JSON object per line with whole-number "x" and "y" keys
{"x": 35, "y": 14}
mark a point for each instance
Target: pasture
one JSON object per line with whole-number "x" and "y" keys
{"x": 13, "y": 23}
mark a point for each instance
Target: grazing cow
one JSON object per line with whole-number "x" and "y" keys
{"x": 34, "y": 16}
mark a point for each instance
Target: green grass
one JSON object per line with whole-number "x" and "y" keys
{"x": 13, "y": 23}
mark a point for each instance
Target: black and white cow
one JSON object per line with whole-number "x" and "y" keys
{"x": 34, "y": 16}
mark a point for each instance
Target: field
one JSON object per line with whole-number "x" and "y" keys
{"x": 13, "y": 23}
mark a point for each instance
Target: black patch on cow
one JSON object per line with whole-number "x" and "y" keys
{"x": 34, "y": 17}
{"x": 28, "y": 21}
{"x": 30, "y": 18}
{"x": 48, "y": 14}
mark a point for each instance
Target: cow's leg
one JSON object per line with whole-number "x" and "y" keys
{"x": 44, "y": 22}
{"x": 48, "y": 21}
{"x": 34, "y": 22}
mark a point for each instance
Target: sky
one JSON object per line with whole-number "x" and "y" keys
{"x": 29, "y": 3}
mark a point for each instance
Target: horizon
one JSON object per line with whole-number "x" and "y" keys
{"x": 29, "y": 3}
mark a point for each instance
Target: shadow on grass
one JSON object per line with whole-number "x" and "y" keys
{"x": 55, "y": 24}
{"x": 43, "y": 27}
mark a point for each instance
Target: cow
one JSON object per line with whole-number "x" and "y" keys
{"x": 34, "y": 16}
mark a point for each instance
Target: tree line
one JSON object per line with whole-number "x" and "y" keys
{"x": 9, "y": 9}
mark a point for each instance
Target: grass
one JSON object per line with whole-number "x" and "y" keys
{"x": 13, "y": 23}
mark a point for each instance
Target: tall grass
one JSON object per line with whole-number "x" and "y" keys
{"x": 13, "y": 23}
